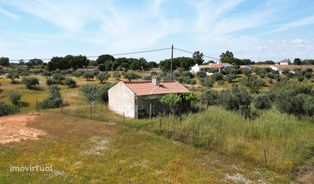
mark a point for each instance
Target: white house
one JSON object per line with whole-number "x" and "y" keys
{"x": 126, "y": 98}
{"x": 195, "y": 69}
{"x": 284, "y": 62}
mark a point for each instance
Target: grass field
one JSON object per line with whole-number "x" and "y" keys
{"x": 88, "y": 151}
{"x": 90, "y": 144}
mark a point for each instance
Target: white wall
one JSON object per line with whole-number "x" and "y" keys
{"x": 122, "y": 100}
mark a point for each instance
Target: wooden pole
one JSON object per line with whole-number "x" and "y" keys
{"x": 171, "y": 62}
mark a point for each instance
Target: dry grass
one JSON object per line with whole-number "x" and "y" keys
{"x": 129, "y": 157}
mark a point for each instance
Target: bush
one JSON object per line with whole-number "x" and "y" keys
{"x": 230, "y": 77}
{"x": 263, "y": 101}
{"x": 103, "y": 76}
{"x": 77, "y": 73}
{"x": 253, "y": 83}
{"x": 207, "y": 82}
{"x": 210, "y": 98}
{"x": 89, "y": 75}
{"x": 15, "y": 97}
{"x": 6, "y": 109}
{"x": 131, "y": 76}
{"x": 201, "y": 74}
{"x": 12, "y": 76}
{"x": 51, "y": 82}
{"x": 90, "y": 92}
{"x": 58, "y": 77}
{"x": 102, "y": 93}
{"x": 116, "y": 74}
{"x": 94, "y": 94}
{"x": 30, "y": 82}
{"x": 70, "y": 83}
{"x": 237, "y": 100}
{"x": 217, "y": 76}
{"x": 54, "y": 99}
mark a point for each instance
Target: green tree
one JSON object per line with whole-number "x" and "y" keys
{"x": 210, "y": 98}
{"x": 13, "y": 76}
{"x": 173, "y": 101}
{"x": 116, "y": 74}
{"x": 15, "y": 97}
{"x": 105, "y": 58}
{"x": 89, "y": 75}
{"x": 297, "y": 61}
{"x": 237, "y": 100}
{"x": 4, "y": 61}
{"x": 70, "y": 83}
{"x": 131, "y": 76}
{"x": 90, "y": 92}
{"x": 103, "y": 76}
{"x": 102, "y": 93}
{"x": 6, "y": 109}
{"x": 263, "y": 101}
{"x": 54, "y": 100}
{"x": 227, "y": 57}
{"x": 30, "y": 82}
{"x": 198, "y": 57}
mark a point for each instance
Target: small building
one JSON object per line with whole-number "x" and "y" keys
{"x": 220, "y": 66}
{"x": 195, "y": 69}
{"x": 246, "y": 67}
{"x": 284, "y": 62}
{"x": 129, "y": 98}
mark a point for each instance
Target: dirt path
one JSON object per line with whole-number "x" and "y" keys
{"x": 14, "y": 129}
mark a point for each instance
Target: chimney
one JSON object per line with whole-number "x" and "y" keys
{"x": 155, "y": 80}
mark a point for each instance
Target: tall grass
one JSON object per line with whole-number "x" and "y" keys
{"x": 284, "y": 140}
{"x": 278, "y": 141}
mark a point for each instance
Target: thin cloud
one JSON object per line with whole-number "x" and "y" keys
{"x": 9, "y": 14}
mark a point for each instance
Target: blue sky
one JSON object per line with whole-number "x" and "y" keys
{"x": 255, "y": 29}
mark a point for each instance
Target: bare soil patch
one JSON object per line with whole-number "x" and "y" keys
{"x": 14, "y": 129}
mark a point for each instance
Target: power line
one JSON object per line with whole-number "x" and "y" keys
{"x": 116, "y": 54}
{"x": 128, "y": 53}
{"x": 190, "y": 52}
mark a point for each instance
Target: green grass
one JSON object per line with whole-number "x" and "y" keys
{"x": 287, "y": 141}
{"x": 130, "y": 156}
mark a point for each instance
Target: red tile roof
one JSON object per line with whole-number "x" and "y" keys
{"x": 143, "y": 88}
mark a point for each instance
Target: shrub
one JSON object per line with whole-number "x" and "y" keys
{"x": 253, "y": 83}
{"x": 217, "y": 76}
{"x": 210, "y": 98}
{"x": 148, "y": 77}
{"x": 12, "y": 76}
{"x": 94, "y": 94}
{"x": 207, "y": 82}
{"x": 116, "y": 74}
{"x": 30, "y": 82}
{"x": 263, "y": 101}
{"x": 131, "y": 76}
{"x": 230, "y": 77}
{"x": 51, "y": 82}
{"x": 58, "y": 77}
{"x": 15, "y": 97}
{"x": 77, "y": 73}
{"x": 54, "y": 99}
{"x": 89, "y": 75}
{"x": 237, "y": 100}
{"x": 102, "y": 93}
{"x": 201, "y": 74}
{"x": 103, "y": 76}
{"x": 6, "y": 109}
{"x": 70, "y": 83}
{"x": 90, "y": 92}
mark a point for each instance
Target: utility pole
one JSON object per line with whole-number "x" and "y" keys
{"x": 171, "y": 62}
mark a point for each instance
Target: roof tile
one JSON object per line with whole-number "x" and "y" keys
{"x": 143, "y": 88}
